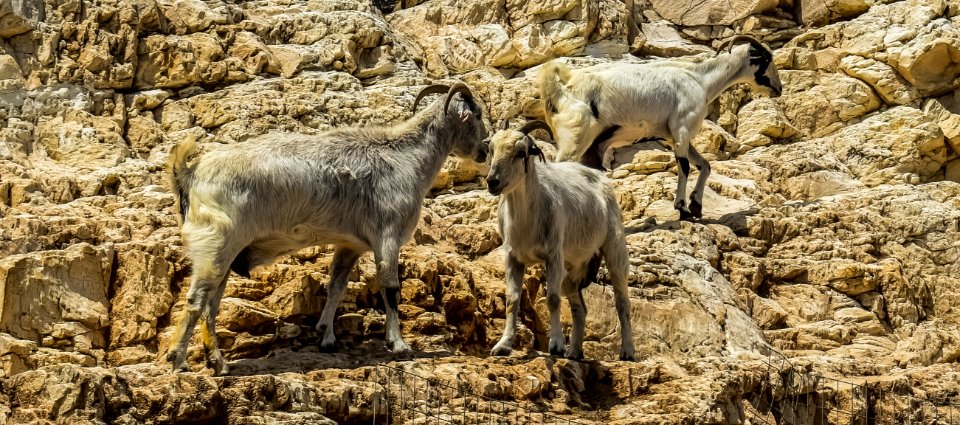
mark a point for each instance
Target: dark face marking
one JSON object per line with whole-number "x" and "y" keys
{"x": 684, "y": 165}
{"x": 593, "y": 108}
{"x": 762, "y": 59}
{"x": 593, "y": 158}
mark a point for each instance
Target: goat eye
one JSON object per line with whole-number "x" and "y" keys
{"x": 521, "y": 154}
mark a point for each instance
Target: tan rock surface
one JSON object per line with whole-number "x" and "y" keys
{"x": 832, "y": 213}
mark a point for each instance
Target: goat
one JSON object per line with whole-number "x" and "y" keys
{"x": 561, "y": 214}
{"x": 612, "y": 105}
{"x": 360, "y": 189}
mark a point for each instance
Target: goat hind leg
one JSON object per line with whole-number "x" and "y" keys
{"x": 204, "y": 282}
{"x": 343, "y": 261}
{"x": 211, "y": 344}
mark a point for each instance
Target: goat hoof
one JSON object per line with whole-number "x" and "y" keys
{"x": 501, "y": 351}
{"x": 627, "y": 357}
{"x": 401, "y": 349}
{"x": 574, "y": 354}
{"x": 328, "y": 348}
{"x": 696, "y": 210}
{"x": 219, "y": 367}
{"x": 687, "y": 215}
{"x": 556, "y": 349}
{"x": 177, "y": 361}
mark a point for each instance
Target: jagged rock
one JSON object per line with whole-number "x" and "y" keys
{"x": 820, "y": 104}
{"x": 71, "y": 286}
{"x": 829, "y": 230}
{"x": 891, "y": 87}
{"x": 690, "y": 13}
{"x": 814, "y": 12}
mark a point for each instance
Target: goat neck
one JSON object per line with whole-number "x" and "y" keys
{"x": 719, "y": 73}
{"x": 523, "y": 198}
{"x": 431, "y": 139}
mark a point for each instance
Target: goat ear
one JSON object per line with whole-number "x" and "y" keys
{"x": 465, "y": 112}
{"x": 532, "y": 148}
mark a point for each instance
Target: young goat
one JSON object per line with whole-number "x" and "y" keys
{"x": 613, "y": 105}
{"x": 359, "y": 189}
{"x": 560, "y": 214}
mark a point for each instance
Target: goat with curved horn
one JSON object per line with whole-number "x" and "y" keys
{"x": 432, "y": 89}
{"x": 728, "y": 45}
{"x": 536, "y": 125}
{"x": 564, "y": 216}
{"x": 613, "y": 105}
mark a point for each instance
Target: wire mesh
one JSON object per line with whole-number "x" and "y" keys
{"x": 788, "y": 396}
{"x": 409, "y": 398}
{"x": 785, "y": 395}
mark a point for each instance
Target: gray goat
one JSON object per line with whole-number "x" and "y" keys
{"x": 560, "y": 214}
{"x": 359, "y": 189}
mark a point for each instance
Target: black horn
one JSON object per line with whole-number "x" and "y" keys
{"x": 433, "y": 89}
{"x": 728, "y": 45}
{"x": 457, "y": 88}
{"x": 536, "y": 125}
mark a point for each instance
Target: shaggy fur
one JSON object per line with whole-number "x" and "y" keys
{"x": 359, "y": 189}
{"x": 660, "y": 100}
{"x": 562, "y": 215}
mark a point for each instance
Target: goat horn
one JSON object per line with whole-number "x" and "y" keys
{"x": 456, "y": 88}
{"x": 536, "y": 125}
{"x": 433, "y": 89}
{"x": 742, "y": 37}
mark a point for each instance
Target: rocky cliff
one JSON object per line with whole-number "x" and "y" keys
{"x": 832, "y": 231}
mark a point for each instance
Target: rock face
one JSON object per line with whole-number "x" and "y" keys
{"x": 830, "y": 235}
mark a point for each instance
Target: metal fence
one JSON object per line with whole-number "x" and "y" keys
{"x": 409, "y": 398}
{"x": 792, "y": 396}
{"x": 786, "y": 395}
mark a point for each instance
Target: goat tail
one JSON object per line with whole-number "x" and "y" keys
{"x": 180, "y": 175}
{"x": 553, "y": 79}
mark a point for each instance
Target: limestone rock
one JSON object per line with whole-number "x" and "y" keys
{"x": 688, "y": 13}
{"x": 818, "y": 105}
{"x": 891, "y": 87}
{"x": 821, "y": 12}
{"x": 663, "y": 40}
{"x": 68, "y": 286}
{"x": 828, "y": 237}
{"x": 761, "y": 121}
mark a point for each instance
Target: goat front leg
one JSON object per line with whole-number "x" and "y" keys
{"x": 696, "y": 198}
{"x": 211, "y": 344}
{"x": 515, "y": 270}
{"x": 618, "y": 264}
{"x": 555, "y": 274}
{"x": 387, "y": 256}
{"x": 578, "y": 309}
{"x": 681, "y": 151}
{"x": 343, "y": 261}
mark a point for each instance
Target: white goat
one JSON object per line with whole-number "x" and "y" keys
{"x": 560, "y": 214}
{"x": 595, "y": 109}
{"x": 359, "y": 189}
